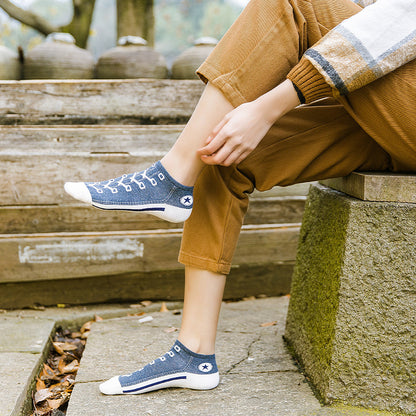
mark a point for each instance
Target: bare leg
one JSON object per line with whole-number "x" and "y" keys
{"x": 181, "y": 161}
{"x": 203, "y": 297}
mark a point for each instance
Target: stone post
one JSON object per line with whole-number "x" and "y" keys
{"x": 352, "y": 313}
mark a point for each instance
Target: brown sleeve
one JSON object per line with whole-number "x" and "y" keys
{"x": 309, "y": 83}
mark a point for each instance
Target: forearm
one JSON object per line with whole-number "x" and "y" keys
{"x": 278, "y": 101}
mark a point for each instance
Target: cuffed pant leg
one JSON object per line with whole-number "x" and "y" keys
{"x": 309, "y": 143}
{"x": 266, "y": 42}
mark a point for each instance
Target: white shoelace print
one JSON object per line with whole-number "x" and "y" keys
{"x": 113, "y": 185}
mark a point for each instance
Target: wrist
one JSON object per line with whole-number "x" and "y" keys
{"x": 278, "y": 101}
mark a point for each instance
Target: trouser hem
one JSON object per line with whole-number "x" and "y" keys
{"x": 209, "y": 73}
{"x": 203, "y": 263}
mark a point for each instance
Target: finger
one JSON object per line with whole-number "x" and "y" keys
{"x": 242, "y": 157}
{"x": 220, "y": 157}
{"x": 219, "y": 126}
{"x": 216, "y": 143}
{"x": 233, "y": 158}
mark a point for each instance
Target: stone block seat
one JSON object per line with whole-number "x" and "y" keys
{"x": 352, "y": 315}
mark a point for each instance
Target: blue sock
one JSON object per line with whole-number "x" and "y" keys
{"x": 151, "y": 191}
{"x": 179, "y": 367}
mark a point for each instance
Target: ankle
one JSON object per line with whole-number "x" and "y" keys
{"x": 197, "y": 345}
{"x": 183, "y": 169}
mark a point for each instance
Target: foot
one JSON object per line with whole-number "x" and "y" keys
{"x": 179, "y": 367}
{"x": 152, "y": 191}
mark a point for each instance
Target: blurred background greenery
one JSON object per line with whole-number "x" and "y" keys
{"x": 177, "y": 23}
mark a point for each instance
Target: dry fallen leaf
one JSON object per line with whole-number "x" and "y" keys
{"x": 136, "y": 314}
{"x": 98, "y": 318}
{"x": 268, "y": 324}
{"x": 146, "y": 302}
{"x": 136, "y": 305}
{"x": 61, "y": 364}
{"x": 61, "y": 347}
{"x": 164, "y": 308}
{"x": 47, "y": 373}
{"x": 40, "y": 384}
{"x": 71, "y": 367}
{"x": 42, "y": 395}
{"x": 56, "y": 380}
{"x": 171, "y": 329}
{"x": 56, "y": 403}
{"x": 86, "y": 326}
{"x": 249, "y": 298}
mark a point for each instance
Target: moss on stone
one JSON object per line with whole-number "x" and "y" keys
{"x": 311, "y": 319}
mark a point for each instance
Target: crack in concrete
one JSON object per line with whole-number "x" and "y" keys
{"x": 235, "y": 365}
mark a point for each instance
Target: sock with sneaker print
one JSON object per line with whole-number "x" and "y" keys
{"x": 151, "y": 191}
{"x": 179, "y": 367}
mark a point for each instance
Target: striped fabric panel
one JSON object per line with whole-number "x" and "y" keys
{"x": 364, "y": 3}
{"x": 367, "y": 46}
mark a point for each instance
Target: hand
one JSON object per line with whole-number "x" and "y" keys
{"x": 242, "y": 129}
{"x": 236, "y": 136}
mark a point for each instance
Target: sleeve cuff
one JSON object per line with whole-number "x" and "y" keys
{"x": 309, "y": 84}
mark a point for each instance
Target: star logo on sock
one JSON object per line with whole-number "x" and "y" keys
{"x": 205, "y": 367}
{"x": 187, "y": 200}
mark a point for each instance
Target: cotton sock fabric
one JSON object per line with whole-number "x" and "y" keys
{"x": 179, "y": 367}
{"x": 152, "y": 191}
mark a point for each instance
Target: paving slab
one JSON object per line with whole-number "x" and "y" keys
{"x": 269, "y": 394}
{"x": 22, "y": 345}
{"x": 121, "y": 346}
{"x": 258, "y": 375}
{"x": 24, "y": 334}
{"x": 17, "y": 370}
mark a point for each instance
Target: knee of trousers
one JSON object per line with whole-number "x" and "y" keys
{"x": 210, "y": 234}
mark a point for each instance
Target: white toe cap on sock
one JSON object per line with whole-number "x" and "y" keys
{"x": 78, "y": 190}
{"x": 111, "y": 386}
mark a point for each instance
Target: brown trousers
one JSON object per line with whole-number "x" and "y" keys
{"x": 373, "y": 128}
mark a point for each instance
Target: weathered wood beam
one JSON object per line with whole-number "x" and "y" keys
{"x": 57, "y": 256}
{"x": 264, "y": 279}
{"x": 82, "y": 218}
{"x": 143, "y": 101}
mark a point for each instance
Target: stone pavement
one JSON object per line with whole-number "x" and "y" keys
{"x": 258, "y": 375}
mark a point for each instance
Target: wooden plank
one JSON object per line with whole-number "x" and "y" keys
{"x": 29, "y": 156}
{"x": 143, "y": 101}
{"x": 82, "y": 218}
{"x": 31, "y": 257}
{"x": 57, "y": 140}
{"x": 246, "y": 280}
{"x": 35, "y": 162}
{"x": 274, "y": 210}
